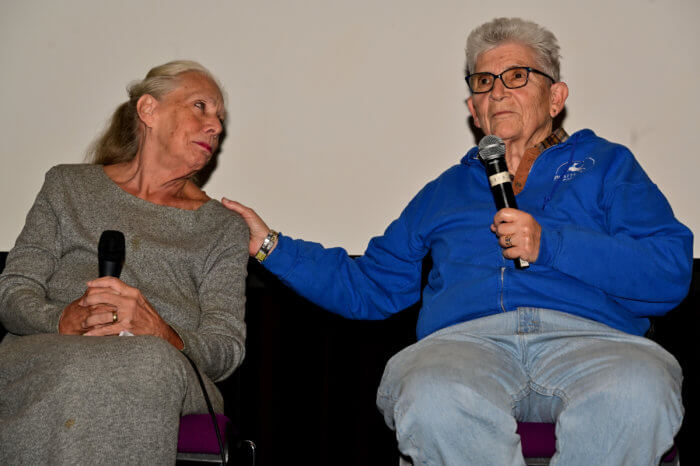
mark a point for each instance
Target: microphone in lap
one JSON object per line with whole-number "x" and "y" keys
{"x": 492, "y": 152}
{"x": 110, "y": 253}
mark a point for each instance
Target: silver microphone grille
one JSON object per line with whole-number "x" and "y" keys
{"x": 491, "y": 147}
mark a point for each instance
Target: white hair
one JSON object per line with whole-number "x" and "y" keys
{"x": 502, "y": 30}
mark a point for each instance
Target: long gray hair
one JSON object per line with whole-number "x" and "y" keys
{"x": 120, "y": 141}
{"x": 502, "y": 30}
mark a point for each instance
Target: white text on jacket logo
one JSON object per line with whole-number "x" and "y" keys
{"x": 568, "y": 171}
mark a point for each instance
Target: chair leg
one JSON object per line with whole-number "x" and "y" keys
{"x": 245, "y": 453}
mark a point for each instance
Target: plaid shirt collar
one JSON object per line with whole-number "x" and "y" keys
{"x": 557, "y": 137}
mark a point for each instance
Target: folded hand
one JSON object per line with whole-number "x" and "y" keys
{"x": 114, "y": 306}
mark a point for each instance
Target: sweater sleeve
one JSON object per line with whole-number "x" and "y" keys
{"x": 24, "y": 306}
{"x": 385, "y": 280}
{"x": 643, "y": 259}
{"x": 217, "y": 346}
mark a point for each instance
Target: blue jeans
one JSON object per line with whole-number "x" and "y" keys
{"x": 454, "y": 397}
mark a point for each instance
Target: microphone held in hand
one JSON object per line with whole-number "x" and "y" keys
{"x": 492, "y": 152}
{"x": 110, "y": 253}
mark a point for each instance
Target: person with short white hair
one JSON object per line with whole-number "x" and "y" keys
{"x": 559, "y": 341}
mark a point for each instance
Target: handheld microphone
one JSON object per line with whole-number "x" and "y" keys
{"x": 110, "y": 253}
{"x": 492, "y": 152}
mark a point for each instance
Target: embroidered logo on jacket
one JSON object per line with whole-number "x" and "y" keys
{"x": 569, "y": 170}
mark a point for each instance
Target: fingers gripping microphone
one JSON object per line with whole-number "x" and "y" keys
{"x": 492, "y": 152}
{"x": 110, "y": 253}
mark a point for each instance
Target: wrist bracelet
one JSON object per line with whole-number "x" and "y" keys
{"x": 268, "y": 244}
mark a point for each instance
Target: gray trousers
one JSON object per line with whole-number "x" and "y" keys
{"x": 94, "y": 400}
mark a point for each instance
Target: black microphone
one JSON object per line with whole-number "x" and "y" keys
{"x": 110, "y": 253}
{"x": 492, "y": 152}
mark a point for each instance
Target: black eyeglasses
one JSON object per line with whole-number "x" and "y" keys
{"x": 512, "y": 78}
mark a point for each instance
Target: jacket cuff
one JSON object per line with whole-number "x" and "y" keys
{"x": 282, "y": 259}
{"x": 550, "y": 245}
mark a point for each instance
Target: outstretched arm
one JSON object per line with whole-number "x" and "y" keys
{"x": 385, "y": 280}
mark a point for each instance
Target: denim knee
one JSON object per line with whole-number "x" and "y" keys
{"x": 439, "y": 419}
{"x": 431, "y": 398}
{"x": 643, "y": 389}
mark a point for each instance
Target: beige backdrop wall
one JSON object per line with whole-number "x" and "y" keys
{"x": 340, "y": 111}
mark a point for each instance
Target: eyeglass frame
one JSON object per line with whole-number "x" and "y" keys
{"x": 500, "y": 76}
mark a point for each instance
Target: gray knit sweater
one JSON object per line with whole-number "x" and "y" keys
{"x": 190, "y": 265}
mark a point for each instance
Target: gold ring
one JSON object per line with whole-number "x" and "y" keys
{"x": 114, "y": 317}
{"x": 508, "y": 243}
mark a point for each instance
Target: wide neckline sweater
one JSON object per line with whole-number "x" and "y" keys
{"x": 189, "y": 264}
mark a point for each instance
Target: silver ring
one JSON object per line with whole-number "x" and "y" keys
{"x": 115, "y": 318}
{"x": 508, "y": 243}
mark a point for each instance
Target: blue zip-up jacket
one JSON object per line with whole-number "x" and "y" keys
{"x": 611, "y": 249}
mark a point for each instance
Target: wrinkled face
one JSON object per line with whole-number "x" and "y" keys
{"x": 188, "y": 121}
{"x": 522, "y": 115}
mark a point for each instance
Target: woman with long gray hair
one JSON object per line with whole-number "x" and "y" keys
{"x": 97, "y": 373}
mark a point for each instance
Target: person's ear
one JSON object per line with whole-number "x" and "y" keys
{"x": 472, "y": 110}
{"x": 558, "y": 93}
{"x": 145, "y": 107}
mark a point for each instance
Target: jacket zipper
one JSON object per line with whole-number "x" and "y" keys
{"x": 503, "y": 287}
